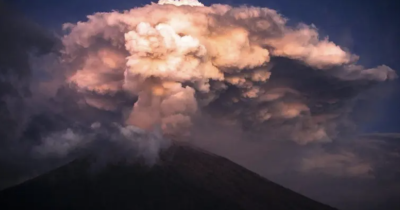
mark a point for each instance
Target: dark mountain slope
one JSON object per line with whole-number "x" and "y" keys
{"x": 185, "y": 178}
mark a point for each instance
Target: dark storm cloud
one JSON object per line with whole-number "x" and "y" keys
{"x": 20, "y": 39}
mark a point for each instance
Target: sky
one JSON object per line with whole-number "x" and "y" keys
{"x": 350, "y": 172}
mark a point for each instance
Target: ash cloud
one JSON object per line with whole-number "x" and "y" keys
{"x": 243, "y": 64}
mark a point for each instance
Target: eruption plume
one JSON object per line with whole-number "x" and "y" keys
{"x": 241, "y": 64}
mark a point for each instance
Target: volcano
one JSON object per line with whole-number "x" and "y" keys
{"x": 185, "y": 177}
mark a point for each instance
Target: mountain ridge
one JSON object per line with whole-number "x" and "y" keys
{"x": 185, "y": 177}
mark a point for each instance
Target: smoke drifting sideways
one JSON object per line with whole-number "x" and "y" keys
{"x": 134, "y": 79}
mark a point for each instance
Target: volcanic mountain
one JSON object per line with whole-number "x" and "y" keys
{"x": 184, "y": 178}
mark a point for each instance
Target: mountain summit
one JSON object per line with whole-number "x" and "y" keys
{"x": 184, "y": 178}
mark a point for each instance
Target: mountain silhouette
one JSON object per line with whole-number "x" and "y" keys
{"x": 184, "y": 178}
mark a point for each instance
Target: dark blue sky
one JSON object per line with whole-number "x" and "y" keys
{"x": 369, "y": 28}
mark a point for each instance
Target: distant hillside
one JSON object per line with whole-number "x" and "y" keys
{"x": 382, "y": 135}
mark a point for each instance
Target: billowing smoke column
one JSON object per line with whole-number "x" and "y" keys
{"x": 241, "y": 64}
